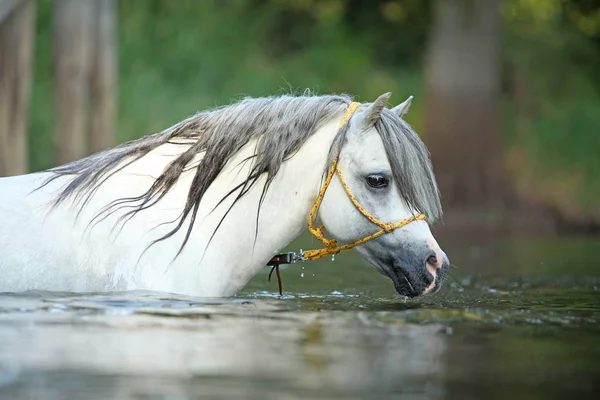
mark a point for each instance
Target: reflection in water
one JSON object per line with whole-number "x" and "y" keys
{"x": 517, "y": 320}
{"x": 256, "y": 344}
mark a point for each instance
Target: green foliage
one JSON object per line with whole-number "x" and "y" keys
{"x": 178, "y": 57}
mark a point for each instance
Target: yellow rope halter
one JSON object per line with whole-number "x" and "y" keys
{"x": 331, "y": 244}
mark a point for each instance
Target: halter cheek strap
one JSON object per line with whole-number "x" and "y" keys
{"x": 331, "y": 247}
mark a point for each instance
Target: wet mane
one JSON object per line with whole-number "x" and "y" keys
{"x": 280, "y": 125}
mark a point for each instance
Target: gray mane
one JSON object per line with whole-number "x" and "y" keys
{"x": 281, "y": 125}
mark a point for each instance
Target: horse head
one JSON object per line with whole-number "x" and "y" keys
{"x": 388, "y": 170}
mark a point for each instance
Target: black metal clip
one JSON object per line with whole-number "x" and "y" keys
{"x": 286, "y": 258}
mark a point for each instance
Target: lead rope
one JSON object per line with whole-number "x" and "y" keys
{"x": 331, "y": 247}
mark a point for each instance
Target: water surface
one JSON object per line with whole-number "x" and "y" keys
{"x": 518, "y": 318}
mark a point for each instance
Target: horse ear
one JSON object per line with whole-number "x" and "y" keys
{"x": 403, "y": 108}
{"x": 373, "y": 113}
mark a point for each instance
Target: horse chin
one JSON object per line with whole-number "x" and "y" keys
{"x": 406, "y": 286}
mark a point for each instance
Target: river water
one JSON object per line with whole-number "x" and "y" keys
{"x": 517, "y": 319}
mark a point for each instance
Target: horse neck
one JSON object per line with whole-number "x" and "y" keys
{"x": 222, "y": 264}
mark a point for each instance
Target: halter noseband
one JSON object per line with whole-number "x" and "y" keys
{"x": 331, "y": 247}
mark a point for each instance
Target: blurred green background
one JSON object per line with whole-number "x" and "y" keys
{"x": 178, "y": 57}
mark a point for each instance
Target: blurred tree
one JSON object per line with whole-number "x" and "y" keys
{"x": 16, "y": 62}
{"x": 463, "y": 116}
{"x": 103, "y": 96}
{"x": 72, "y": 50}
{"x": 84, "y": 43}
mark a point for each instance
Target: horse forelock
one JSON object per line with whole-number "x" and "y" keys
{"x": 411, "y": 165}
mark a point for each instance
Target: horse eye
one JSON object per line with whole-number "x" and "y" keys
{"x": 377, "y": 181}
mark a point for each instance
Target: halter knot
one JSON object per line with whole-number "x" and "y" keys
{"x": 318, "y": 233}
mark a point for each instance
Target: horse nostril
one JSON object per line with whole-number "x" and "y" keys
{"x": 432, "y": 260}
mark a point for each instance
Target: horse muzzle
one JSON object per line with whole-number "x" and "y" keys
{"x": 418, "y": 272}
{"x": 413, "y": 284}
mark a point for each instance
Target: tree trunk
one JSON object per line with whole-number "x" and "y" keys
{"x": 72, "y": 53}
{"x": 104, "y": 77}
{"x": 7, "y": 7}
{"x": 463, "y": 116}
{"x": 17, "y": 28}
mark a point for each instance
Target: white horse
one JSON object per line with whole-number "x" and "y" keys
{"x": 201, "y": 207}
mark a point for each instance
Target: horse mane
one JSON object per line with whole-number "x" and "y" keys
{"x": 279, "y": 124}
